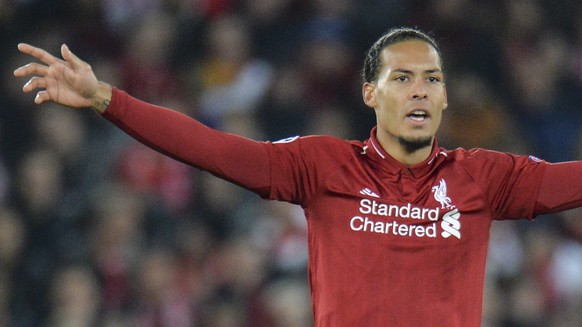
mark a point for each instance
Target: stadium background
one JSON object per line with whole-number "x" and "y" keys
{"x": 97, "y": 230}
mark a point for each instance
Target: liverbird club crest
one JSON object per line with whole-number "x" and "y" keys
{"x": 440, "y": 194}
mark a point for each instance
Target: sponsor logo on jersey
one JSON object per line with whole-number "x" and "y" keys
{"x": 451, "y": 224}
{"x": 371, "y": 211}
{"x": 367, "y": 191}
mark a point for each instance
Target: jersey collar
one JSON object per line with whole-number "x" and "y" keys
{"x": 376, "y": 153}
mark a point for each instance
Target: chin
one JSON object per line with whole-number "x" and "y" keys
{"x": 413, "y": 144}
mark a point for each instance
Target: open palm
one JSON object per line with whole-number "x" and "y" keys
{"x": 70, "y": 82}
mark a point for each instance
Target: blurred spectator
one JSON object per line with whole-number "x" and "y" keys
{"x": 285, "y": 236}
{"x": 326, "y": 36}
{"x": 143, "y": 170}
{"x": 274, "y": 25}
{"x": 13, "y": 234}
{"x": 62, "y": 131}
{"x": 212, "y": 208}
{"x": 231, "y": 78}
{"x": 476, "y": 118}
{"x": 116, "y": 241}
{"x": 122, "y": 15}
{"x": 160, "y": 301}
{"x": 12, "y": 239}
{"x": 75, "y": 298}
{"x": 284, "y": 109}
{"x": 566, "y": 264}
{"x": 287, "y": 303}
{"x": 146, "y": 70}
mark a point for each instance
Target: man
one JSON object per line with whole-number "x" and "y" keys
{"x": 398, "y": 227}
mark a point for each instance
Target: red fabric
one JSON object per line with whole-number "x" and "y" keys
{"x": 561, "y": 187}
{"x": 389, "y": 245}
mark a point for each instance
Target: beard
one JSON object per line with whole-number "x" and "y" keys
{"x": 413, "y": 145}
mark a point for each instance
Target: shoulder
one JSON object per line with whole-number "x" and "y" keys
{"x": 479, "y": 159}
{"x": 461, "y": 154}
{"x": 319, "y": 144}
{"x": 317, "y": 153}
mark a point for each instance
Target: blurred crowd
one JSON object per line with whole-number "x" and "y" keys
{"x": 98, "y": 230}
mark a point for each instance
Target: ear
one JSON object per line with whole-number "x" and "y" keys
{"x": 446, "y": 102}
{"x": 369, "y": 94}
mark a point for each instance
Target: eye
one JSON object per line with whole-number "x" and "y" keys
{"x": 401, "y": 78}
{"x": 433, "y": 79}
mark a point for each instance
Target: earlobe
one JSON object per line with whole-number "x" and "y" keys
{"x": 369, "y": 95}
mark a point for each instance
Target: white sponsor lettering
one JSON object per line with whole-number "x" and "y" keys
{"x": 364, "y": 224}
{"x": 368, "y": 206}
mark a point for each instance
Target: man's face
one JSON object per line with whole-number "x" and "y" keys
{"x": 409, "y": 95}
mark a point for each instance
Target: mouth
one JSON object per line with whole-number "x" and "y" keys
{"x": 418, "y": 115}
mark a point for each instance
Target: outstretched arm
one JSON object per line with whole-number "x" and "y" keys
{"x": 69, "y": 81}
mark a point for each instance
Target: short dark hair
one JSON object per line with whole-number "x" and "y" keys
{"x": 373, "y": 63}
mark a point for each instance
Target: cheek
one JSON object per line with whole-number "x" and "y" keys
{"x": 390, "y": 104}
{"x": 388, "y": 121}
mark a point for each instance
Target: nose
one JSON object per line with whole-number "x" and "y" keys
{"x": 419, "y": 90}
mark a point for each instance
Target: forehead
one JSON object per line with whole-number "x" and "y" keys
{"x": 410, "y": 55}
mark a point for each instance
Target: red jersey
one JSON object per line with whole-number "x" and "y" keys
{"x": 389, "y": 245}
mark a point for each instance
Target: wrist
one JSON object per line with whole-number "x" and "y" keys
{"x": 101, "y": 98}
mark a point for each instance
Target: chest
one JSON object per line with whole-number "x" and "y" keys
{"x": 365, "y": 204}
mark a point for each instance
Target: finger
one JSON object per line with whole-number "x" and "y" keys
{"x": 41, "y": 97}
{"x": 31, "y": 69}
{"x": 70, "y": 57}
{"x": 34, "y": 83}
{"x": 38, "y": 53}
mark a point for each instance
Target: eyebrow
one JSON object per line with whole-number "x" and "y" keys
{"x": 410, "y": 72}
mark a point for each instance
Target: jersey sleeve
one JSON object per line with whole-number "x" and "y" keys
{"x": 237, "y": 159}
{"x": 561, "y": 187}
{"x": 511, "y": 183}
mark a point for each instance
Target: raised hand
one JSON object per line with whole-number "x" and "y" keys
{"x": 69, "y": 82}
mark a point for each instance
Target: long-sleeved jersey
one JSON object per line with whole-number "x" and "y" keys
{"x": 389, "y": 245}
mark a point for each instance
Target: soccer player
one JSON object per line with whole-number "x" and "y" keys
{"x": 398, "y": 226}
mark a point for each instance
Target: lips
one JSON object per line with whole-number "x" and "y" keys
{"x": 418, "y": 115}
